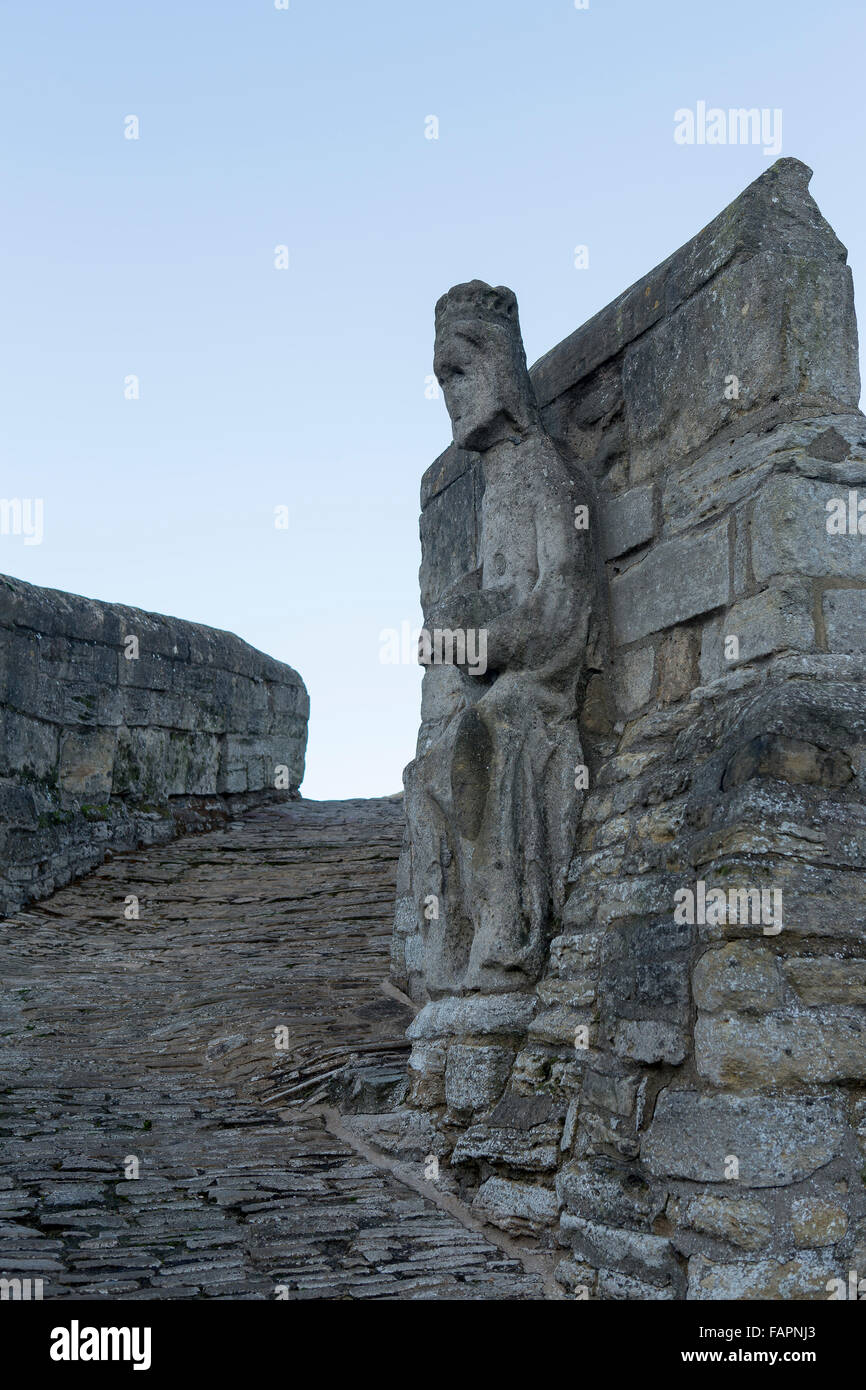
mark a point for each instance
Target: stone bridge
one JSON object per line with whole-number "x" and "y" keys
{"x": 613, "y": 1091}
{"x": 203, "y": 1047}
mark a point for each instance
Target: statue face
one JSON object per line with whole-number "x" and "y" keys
{"x": 476, "y": 366}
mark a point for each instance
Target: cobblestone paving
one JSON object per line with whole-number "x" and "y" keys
{"x": 152, "y": 1039}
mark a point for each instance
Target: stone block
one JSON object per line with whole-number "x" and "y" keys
{"x": 141, "y": 764}
{"x": 649, "y": 1256}
{"x": 558, "y": 1026}
{"x": 789, "y": 533}
{"x": 633, "y": 679}
{"x": 602, "y": 1135}
{"x": 820, "y": 901}
{"x": 738, "y": 975}
{"x": 798, "y": 761}
{"x": 816, "y": 1222}
{"x": 650, "y": 1040}
{"x": 29, "y": 748}
{"x": 722, "y": 476}
{"x": 87, "y": 763}
{"x": 427, "y": 1075}
{"x": 612, "y": 1284}
{"x": 845, "y": 619}
{"x": 803, "y": 1278}
{"x": 475, "y": 1077}
{"x": 615, "y": 1093}
{"x": 522, "y": 1112}
{"x": 573, "y": 954}
{"x": 678, "y": 665}
{"x": 778, "y": 619}
{"x": 578, "y": 1279}
{"x": 827, "y": 979}
{"x": 677, "y": 580}
{"x": 751, "y": 323}
{"x": 617, "y": 1195}
{"x": 517, "y": 1207}
{"x": 533, "y": 1151}
{"x": 573, "y": 995}
{"x": 775, "y": 1140}
{"x": 627, "y": 521}
{"x": 473, "y": 1016}
{"x": 781, "y": 1049}
{"x": 743, "y": 1221}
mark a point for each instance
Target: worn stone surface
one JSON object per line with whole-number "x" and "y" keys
{"x": 740, "y": 975}
{"x": 677, "y": 580}
{"x": 634, "y": 684}
{"x": 627, "y": 521}
{"x": 516, "y": 1207}
{"x": 118, "y": 728}
{"x": 649, "y": 1040}
{"x": 616, "y": 1194}
{"x": 780, "y": 1048}
{"x": 475, "y": 1077}
{"x": 532, "y": 1152}
{"x": 816, "y": 1223}
{"x": 491, "y": 798}
{"x": 427, "y": 1063}
{"x": 845, "y": 619}
{"x": 154, "y": 1040}
{"x": 476, "y": 1015}
{"x": 631, "y": 1251}
{"x": 678, "y": 665}
{"x": 827, "y": 980}
{"x": 743, "y": 1221}
{"x": 703, "y": 1067}
{"x": 775, "y": 1141}
{"x": 778, "y": 619}
{"x": 798, "y": 1279}
{"x": 789, "y": 533}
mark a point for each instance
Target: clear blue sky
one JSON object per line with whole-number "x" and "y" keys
{"x": 260, "y": 387}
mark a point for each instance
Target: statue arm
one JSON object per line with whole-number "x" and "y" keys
{"x": 549, "y": 619}
{"x": 466, "y": 608}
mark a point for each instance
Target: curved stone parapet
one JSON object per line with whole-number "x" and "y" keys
{"x": 117, "y": 727}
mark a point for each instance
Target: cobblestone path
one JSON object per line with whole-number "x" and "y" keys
{"x": 151, "y": 1042}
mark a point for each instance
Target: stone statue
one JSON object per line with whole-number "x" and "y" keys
{"x": 492, "y": 804}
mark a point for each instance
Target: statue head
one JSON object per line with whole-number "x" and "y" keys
{"x": 480, "y": 364}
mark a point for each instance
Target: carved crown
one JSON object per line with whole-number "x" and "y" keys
{"x": 477, "y": 300}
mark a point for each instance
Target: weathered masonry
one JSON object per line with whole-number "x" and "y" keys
{"x": 678, "y": 1103}
{"x": 118, "y": 726}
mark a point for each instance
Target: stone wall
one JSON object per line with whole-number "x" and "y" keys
{"x": 118, "y": 727}
{"x": 680, "y": 1105}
